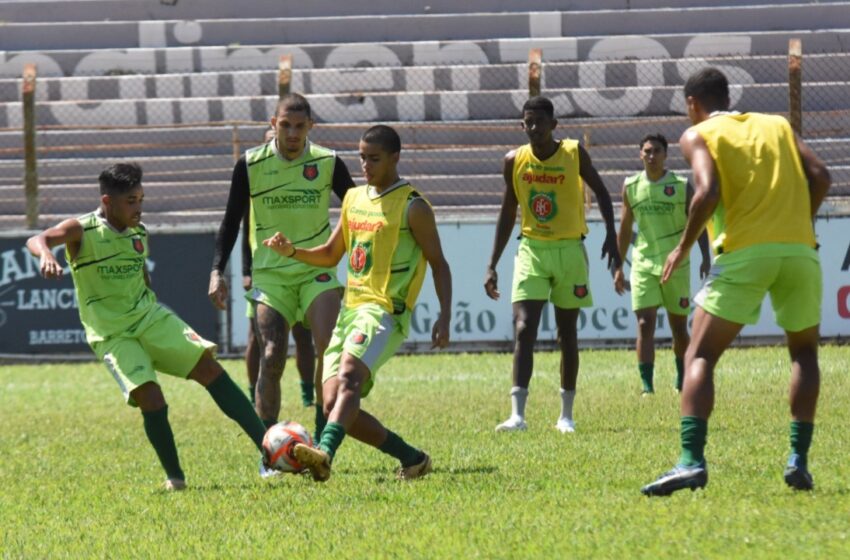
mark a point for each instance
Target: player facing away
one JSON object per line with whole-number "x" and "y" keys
{"x": 657, "y": 201}
{"x": 388, "y": 230}
{"x": 544, "y": 178}
{"x": 287, "y": 185}
{"x": 128, "y": 330}
{"x": 758, "y": 187}
{"x": 305, "y": 355}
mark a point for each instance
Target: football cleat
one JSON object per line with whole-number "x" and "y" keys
{"x": 796, "y": 474}
{"x": 316, "y": 460}
{"x": 266, "y": 471}
{"x": 678, "y": 478}
{"x": 418, "y": 470}
{"x": 566, "y": 425}
{"x": 512, "y": 424}
{"x": 175, "y": 485}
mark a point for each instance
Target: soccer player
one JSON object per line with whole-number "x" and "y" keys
{"x": 758, "y": 186}
{"x": 657, "y": 199}
{"x": 544, "y": 178}
{"x": 287, "y": 185}
{"x": 305, "y": 355}
{"x": 128, "y": 330}
{"x": 388, "y": 230}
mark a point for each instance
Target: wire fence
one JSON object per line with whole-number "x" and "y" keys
{"x": 456, "y": 124}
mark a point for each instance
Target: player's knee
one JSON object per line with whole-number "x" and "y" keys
{"x": 149, "y": 397}
{"x": 523, "y": 330}
{"x": 350, "y": 381}
{"x": 274, "y": 356}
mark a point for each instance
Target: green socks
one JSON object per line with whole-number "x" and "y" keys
{"x": 161, "y": 437}
{"x": 680, "y": 373}
{"x": 801, "y": 439}
{"x": 320, "y": 423}
{"x": 332, "y": 437}
{"x": 693, "y": 433}
{"x": 307, "y": 393}
{"x": 237, "y": 407}
{"x": 252, "y": 394}
{"x": 646, "y": 374}
{"x": 399, "y": 449}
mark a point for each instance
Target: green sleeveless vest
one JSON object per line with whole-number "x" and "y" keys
{"x": 292, "y": 197}
{"x": 108, "y": 275}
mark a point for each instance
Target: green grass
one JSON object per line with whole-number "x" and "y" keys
{"x": 79, "y": 479}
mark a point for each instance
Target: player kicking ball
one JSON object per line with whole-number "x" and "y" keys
{"x": 388, "y": 230}
{"x": 128, "y": 330}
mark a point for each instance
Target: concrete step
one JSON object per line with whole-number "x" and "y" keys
{"x": 426, "y": 79}
{"x": 21, "y": 11}
{"x": 402, "y": 106}
{"x": 429, "y": 27}
{"x": 194, "y": 59}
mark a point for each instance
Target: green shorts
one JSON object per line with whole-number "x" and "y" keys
{"x": 738, "y": 282}
{"x": 159, "y": 342}
{"x": 250, "y": 308}
{"x": 649, "y": 292}
{"x": 553, "y": 271}
{"x": 368, "y": 333}
{"x": 291, "y": 297}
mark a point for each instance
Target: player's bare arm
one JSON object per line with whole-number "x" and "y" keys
{"x": 703, "y": 202}
{"x": 705, "y": 252}
{"x": 816, "y": 173}
{"x": 423, "y": 227}
{"x": 591, "y": 177}
{"x": 504, "y": 226}
{"x": 325, "y": 255}
{"x": 68, "y": 233}
{"x": 624, "y": 238}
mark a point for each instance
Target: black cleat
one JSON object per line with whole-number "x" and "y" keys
{"x": 796, "y": 474}
{"x": 677, "y": 478}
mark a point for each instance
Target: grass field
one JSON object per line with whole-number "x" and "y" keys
{"x": 79, "y": 479}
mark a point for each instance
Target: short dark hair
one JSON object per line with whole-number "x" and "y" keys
{"x": 710, "y": 87}
{"x": 540, "y": 103}
{"x": 294, "y": 102}
{"x": 120, "y": 178}
{"x": 385, "y": 136}
{"x": 657, "y": 137}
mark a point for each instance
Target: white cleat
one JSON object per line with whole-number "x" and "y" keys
{"x": 512, "y": 424}
{"x": 174, "y": 485}
{"x": 566, "y": 425}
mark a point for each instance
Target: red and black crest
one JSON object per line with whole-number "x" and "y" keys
{"x": 358, "y": 337}
{"x": 323, "y": 277}
{"x": 669, "y": 190}
{"x": 684, "y": 302}
{"x": 138, "y": 245}
{"x": 311, "y": 171}
{"x": 580, "y": 290}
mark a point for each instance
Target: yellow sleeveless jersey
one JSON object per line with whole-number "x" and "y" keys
{"x": 385, "y": 264}
{"x": 764, "y": 194}
{"x": 550, "y": 193}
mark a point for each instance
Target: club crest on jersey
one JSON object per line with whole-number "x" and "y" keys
{"x": 580, "y": 291}
{"x": 542, "y": 205}
{"x": 684, "y": 302}
{"x": 358, "y": 337}
{"x": 193, "y": 336}
{"x": 669, "y": 190}
{"x": 311, "y": 171}
{"x": 138, "y": 245}
{"x": 360, "y": 258}
{"x": 323, "y": 277}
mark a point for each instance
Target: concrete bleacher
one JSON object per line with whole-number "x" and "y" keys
{"x": 182, "y": 87}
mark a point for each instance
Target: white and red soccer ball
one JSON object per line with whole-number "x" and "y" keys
{"x": 279, "y": 442}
